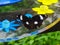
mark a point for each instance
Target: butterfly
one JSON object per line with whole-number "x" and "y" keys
{"x": 32, "y": 22}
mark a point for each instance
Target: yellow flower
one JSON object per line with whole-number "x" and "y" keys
{"x": 48, "y": 2}
{"x": 43, "y": 9}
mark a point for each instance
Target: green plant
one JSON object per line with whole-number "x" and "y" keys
{"x": 17, "y": 6}
{"x": 52, "y": 38}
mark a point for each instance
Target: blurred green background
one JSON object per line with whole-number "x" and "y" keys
{"x": 17, "y": 6}
{"x": 52, "y": 38}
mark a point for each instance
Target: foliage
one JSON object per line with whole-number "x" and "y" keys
{"x": 17, "y": 6}
{"x": 52, "y": 38}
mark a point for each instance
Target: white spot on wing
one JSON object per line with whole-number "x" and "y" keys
{"x": 21, "y": 17}
{"x": 27, "y": 23}
{"x": 41, "y": 17}
{"x": 35, "y": 22}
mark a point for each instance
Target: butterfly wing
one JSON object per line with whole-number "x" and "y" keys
{"x": 37, "y": 21}
{"x": 26, "y": 21}
{"x": 32, "y": 23}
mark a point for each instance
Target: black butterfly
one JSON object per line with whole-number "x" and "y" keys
{"x": 32, "y": 22}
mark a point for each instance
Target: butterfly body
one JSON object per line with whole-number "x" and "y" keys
{"x": 32, "y": 22}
